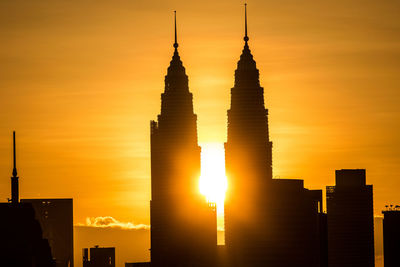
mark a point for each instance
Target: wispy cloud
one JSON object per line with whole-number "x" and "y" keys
{"x": 110, "y": 222}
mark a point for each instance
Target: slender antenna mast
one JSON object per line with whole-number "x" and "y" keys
{"x": 176, "y": 39}
{"x": 14, "y": 173}
{"x": 246, "y": 38}
{"x": 14, "y": 178}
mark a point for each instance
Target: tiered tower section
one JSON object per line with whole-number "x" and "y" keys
{"x": 268, "y": 222}
{"x": 183, "y": 224}
{"x": 248, "y": 153}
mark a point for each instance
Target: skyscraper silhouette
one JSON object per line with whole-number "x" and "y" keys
{"x": 350, "y": 220}
{"x": 183, "y": 224}
{"x": 56, "y": 220}
{"x": 391, "y": 236}
{"x": 268, "y": 222}
{"x": 248, "y": 150}
{"x": 98, "y": 257}
{"x": 248, "y": 155}
{"x": 21, "y": 240}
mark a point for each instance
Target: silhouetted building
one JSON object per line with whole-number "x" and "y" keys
{"x": 391, "y": 237}
{"x": 56, "y": 220}
{"x": 248, "y": 157}
{"x": 99, "y": 257}
{"x": 294, "y": 233}
{"x": 268, "y": 222}
{"x": 183, "y": 224}
{"x": 350, "y": 220}
{"x": 21, "y": 241}
{"x": 323, "y": 239}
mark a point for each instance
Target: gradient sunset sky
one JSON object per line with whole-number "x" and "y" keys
{"x": 81, "y": 80}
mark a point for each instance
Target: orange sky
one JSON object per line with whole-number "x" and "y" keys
{"x": 80, "y": 81}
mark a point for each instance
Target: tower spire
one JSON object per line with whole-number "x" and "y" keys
{"x": 14, "y": 178}
{"x": 176, "y": 41}
{"x": 14, "y": 173}
{"x": 246, "y": 61}
{"x": 246, "y": 38}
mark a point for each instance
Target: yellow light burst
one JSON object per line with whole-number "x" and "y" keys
{"x": 213, "y": 181}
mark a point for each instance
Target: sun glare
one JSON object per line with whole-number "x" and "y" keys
{"x": 213, "y": 182}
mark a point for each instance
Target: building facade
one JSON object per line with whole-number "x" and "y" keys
{"x": 350, "y": 220}
{"x": 98, "y": 257}
{"x": 183, "y": 224}
{"x": 56, "y": 220}
{"x": 248, "y": 160}
{"x": 268, "y": 222}
{"x": 391, "y": 237}
{"x": 21, "y": 239}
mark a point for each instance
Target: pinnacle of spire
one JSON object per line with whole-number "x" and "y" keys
{"x": 176, "y": 42}
{"x": 246, "y": 73}
{"x": 246, "y": 58}
{"x": 14, "y": 172}
{"x": 246, "y": 38}
{"x": 176, "y": 65}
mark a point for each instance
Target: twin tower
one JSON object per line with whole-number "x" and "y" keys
{"x": 183, "y": 223}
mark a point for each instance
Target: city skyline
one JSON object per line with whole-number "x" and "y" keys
{"x": 41, "y": 109}
{"x": 65, "y": 145}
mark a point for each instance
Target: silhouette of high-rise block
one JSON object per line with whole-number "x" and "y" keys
{"x": 323, "y": 237}
{"x": 294, "y": 231}
{"x": 248, "y": 160}
{"x": 56, "y": 220}
{"x": 291, "y": 229}
{"x": 268, "y": 222}
{"x": 21, "y": 239}
{"x": 350, "y": 220}
{"x": 183, "y": 224}
{"x": 98, "y": 257}
{"x": 22, "y": 243}
{"x": 391, "y": 237}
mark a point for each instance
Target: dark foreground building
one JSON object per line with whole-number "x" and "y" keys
{"x": 56, "y": 220}
{"x": 391, "y": 237}
{"x": 350, "y": 220}
{"x": 268, "y": 222}
{"x": 22, "y": 243}
{"x": 295, "y": 229}
{"x": 183, "y": 224}
{"x": 99, "y": 257}
{"x": 21, "y": 240}
{"x": 248, "y": 157}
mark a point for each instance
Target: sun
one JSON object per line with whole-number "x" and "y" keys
{"x": 213, "y": 181}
